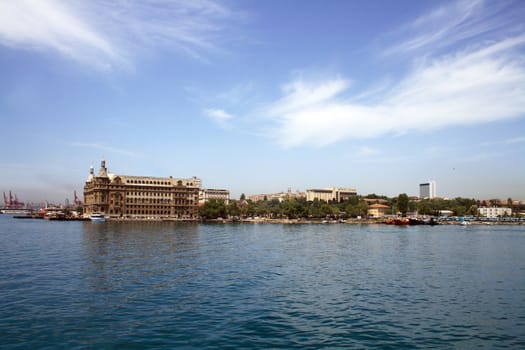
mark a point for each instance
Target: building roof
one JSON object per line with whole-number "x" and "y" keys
{"x": 378, "y": 206}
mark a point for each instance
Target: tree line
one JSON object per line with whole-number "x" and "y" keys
{"x": 355, "y": 206}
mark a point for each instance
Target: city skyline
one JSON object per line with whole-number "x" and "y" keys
{"x": 257, "y": 97}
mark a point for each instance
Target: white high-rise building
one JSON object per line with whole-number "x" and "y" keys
{"x": 427, "y": 190}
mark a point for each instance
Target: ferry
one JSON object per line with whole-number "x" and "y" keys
{"x": 97, "y": 217}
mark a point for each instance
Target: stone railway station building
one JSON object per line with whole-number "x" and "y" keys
{"x": 141, "y": 197}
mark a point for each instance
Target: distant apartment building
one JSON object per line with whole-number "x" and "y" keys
{"x": 208, "y": 194}
{"x": 330, "y": 194}
{"x": 281, "y": 196}
{"x": 141, "y": 197}
{"x": 493, "y": 212}
{"x": 427, "y": 190}
{"x": 375, "y": 200}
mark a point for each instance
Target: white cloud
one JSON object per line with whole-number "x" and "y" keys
{"x": 51, "y": 24}
{"x": 302, "y": 94}
{"x": 107, "y": 34}
{"x": 453, "y": 23}
{"x": 219, "y": 116}
{"x": 469, "y": 87}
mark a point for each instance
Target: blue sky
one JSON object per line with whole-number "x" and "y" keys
{"x": 260, "y": 96}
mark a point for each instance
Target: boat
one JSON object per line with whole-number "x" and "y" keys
{"x": 401, "y": 221}
{"x": 414, "y": 221}
{"x": 431, "y": 222}
{"x": 97, "y": 217}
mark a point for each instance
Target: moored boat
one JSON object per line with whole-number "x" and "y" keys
{"x": 414, "y": 221}
{"x": 401, "y": 221}
{"x": 97, "y": 217}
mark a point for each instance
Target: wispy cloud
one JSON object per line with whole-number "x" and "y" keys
{"x": 219, "y": 116}
{"x": 515, "y": 140}
{"x": 466, "y": 66}
{"x": 455, "y": 22}
{"x": 108, "y": 34}
{"x": 367, "y": 151}
{"x": 53, "y": 25}
{"x": 468, "y": 87}
{"x": 510, "y": 141}
{"x": 103, "y": 147}
{"x": 238, "y": 94}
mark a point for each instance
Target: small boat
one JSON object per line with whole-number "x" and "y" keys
{"x": 414, "y": 221}
{"x": 401, "y": 221}
{"x": 97, "y": 217}
{"x": 432, "y": 222}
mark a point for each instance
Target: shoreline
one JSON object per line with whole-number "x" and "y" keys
{"x": 288, "y": 221}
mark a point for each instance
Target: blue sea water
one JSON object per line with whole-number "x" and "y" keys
{"x": 154, "y": 285}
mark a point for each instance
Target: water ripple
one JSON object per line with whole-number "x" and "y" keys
{"x": 163, "y": 285}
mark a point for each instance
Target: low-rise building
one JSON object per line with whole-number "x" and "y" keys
{"x": 378, "y": 210}
{"x": 445, "y": 213}
{"x": 335, "y": 194}
{"x": 207, "y": 194}
{"x": 281, "y": 196}
{"x": 141, "y": 197}
{"x": 494, "y": 212}
{"x": 375, "y": 200}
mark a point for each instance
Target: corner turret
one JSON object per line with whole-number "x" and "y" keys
{"x": 103, "y": 172}
{"x": 91, "y": 174}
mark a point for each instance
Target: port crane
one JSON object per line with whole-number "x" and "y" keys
{"x": 77, "y": 201}
{"x": 12, "y": 203}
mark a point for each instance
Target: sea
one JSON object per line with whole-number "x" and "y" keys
{"x": 165, "y": 285}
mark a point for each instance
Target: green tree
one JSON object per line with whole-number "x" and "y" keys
{"x": 494, "y": 202}
{"x": 233, "y": 209}
{"x": 473, "y": 210}
{"x": 402, "y": 203}
{"x": 314, "y": 209}
{"x": 250, "y": 209}
{"x": 326, "y": 210}
{"x": 424, "y": 207}
{"x": 213, "y": 209}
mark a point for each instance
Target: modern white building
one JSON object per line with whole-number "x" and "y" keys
{"x": 427, "y": 190}
{"x": 493, "y": 212}
{"x": 207, "y": 194}
{"x": 330, "y": 194}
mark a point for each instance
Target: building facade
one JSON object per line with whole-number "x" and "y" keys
{"x": 493, "y": 212}
{"x": 427, "y": 190}
{"x": 330, "y": 194}
{"x": 281, "y": 196}
{"x": 378, "y": 210}
{"x": 141, "y": 197}
{"x": 208, "y": 194}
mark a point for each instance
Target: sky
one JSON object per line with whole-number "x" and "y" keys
{"x": 262, "y": 96}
